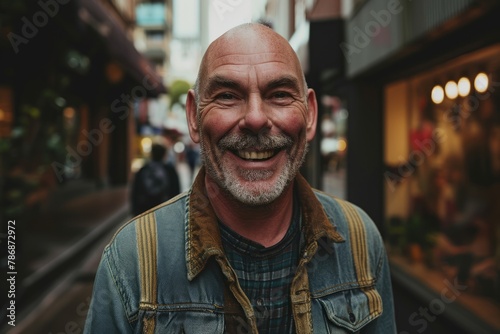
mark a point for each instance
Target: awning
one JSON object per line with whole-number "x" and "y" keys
{"x": 119, "y": 46}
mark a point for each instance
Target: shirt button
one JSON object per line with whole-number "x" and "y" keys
{"x": 352, "y": 317}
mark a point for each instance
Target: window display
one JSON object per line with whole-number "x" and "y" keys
{"x": 443, "y": 183}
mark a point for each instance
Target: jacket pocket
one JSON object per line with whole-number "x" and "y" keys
{"x": 182, "y": 322}
{"x": 350, "y": 310}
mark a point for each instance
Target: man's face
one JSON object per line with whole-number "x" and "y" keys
{"x": 253, "y": 119}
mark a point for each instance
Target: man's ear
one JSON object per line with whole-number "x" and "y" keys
{"x": 192, "y": 116}
{"x": 312, "y": 114}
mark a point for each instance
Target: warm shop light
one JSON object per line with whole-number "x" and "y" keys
{"x": 463, "y": 87}
{"x": 451, "y": 90}
{"x": 481, "y": 82}
{"x": 146, "y": 144}
{"x": 437, "y": 94}
{"x": 342, "y": 145}
{"x": 69, "y": 112}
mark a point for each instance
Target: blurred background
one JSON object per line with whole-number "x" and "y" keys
{"x": 409, "y": 96}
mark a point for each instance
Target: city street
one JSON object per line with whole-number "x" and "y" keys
{"x": 64, "y": 309}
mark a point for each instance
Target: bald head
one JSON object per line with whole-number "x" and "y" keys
{"x": 241, "y": 42}
{"x": 252, "y": 115}
{"x": 250, "y": 38}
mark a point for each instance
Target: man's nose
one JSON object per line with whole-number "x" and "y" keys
{"x": 256, "y": 118}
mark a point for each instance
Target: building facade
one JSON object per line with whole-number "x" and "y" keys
{"x": 69, "y": 77}
{"x": 424, "y": 150}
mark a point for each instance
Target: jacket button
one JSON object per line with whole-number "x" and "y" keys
{"x": 352, "y": 317}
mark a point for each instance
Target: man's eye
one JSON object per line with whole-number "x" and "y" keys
{"x": 281, "y": 95}
{"x": 225, "y": 96}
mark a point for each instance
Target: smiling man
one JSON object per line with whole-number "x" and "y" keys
{"x": 251, "y": 248}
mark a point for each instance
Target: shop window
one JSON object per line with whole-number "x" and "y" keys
{"x": 442, "y": 179}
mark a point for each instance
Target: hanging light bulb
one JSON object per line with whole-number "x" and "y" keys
{"x": 463, "y": 87}
{"x": 437, "y": 94}
{"x": 481, "y": 82}
{"x": 451, "y": 89}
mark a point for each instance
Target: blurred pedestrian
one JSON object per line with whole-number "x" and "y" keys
{"x": 252, "y": 248}
{"x": 155, "y": 183}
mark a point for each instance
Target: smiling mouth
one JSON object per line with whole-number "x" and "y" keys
{"x": 255, "y": 155}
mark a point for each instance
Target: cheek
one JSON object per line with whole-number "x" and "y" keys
{"x": 292, "y": 124}
{"x": 215, "y": 125}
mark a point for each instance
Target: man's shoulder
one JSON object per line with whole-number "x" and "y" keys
{"x": 131, "y": 243}
{"x": 362, "y": 236}
{"x": 344, "y": 214}
{"x": 171, "y": 212}
{"x": 146, "y": 167}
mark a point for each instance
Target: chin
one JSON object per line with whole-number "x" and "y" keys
{"x": 257, "y": 191}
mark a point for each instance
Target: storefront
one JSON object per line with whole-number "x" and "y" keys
{"x": 442, "y": 183}
{"x": 424, "y": 154}
{"x": 67, "y": 83}
{"x": 71, "y": 75}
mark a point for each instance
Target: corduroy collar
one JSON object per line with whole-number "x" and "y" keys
{"x": 203, "y": 238}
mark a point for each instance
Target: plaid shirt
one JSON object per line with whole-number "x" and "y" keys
{"x": 265, "y": 274}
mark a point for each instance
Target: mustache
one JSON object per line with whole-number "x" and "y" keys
{"x": 259, "y": 142}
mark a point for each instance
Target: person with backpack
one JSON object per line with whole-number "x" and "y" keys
{"x": 155, "y": 183}
{"x": 252, "y": 247}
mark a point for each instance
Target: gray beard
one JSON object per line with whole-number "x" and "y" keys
{"x": 228, "y": 181}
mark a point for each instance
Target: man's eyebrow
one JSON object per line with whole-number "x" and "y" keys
{"x": 284, "y": 82}
{"x": 216, "y": 82}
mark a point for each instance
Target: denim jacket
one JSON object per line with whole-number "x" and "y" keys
{"x": 165, "y": 272}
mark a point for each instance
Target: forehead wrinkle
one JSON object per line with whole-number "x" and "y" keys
{"x": 248, "y": 45}
{"x": 246, "y": 59}
{"x": 220, "y": 80}
{"x": 240, "y": 83}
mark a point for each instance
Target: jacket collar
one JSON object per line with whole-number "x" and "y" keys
{"x": 203, "y": 238}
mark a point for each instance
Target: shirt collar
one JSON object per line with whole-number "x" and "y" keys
{"x": 203, "y": 238}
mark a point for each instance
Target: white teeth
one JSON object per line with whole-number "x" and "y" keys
{"x": 255, "y": 155}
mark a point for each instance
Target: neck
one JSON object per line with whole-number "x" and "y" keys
{"x": 265, "y": 224}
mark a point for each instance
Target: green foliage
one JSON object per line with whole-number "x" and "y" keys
{"x": 177, "y": 89}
